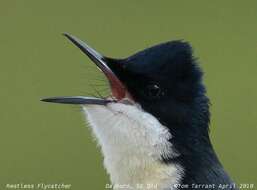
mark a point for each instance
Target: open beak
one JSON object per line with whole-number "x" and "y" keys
{"x": 117, "y": 88}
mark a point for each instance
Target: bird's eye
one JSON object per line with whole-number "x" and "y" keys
{"x": 153, "y": 91}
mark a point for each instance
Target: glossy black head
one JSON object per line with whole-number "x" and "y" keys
{"x": 165, "y": 80}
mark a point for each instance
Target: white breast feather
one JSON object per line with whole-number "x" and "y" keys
{"x": 132, "y": 142}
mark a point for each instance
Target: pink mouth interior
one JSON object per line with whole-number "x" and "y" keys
{"x": 118, "y": 90}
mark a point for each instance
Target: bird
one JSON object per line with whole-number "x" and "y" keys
{"x": 153, "y": 128}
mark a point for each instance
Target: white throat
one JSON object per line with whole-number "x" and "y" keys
{"x": 133, "y": 143}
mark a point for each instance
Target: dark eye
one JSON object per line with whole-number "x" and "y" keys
{"x": 153, "y": 91}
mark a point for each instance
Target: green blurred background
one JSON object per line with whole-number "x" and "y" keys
{"x": 49, "y": 143}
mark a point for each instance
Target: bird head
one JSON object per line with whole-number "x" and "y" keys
{"x": 164, "y": 80}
